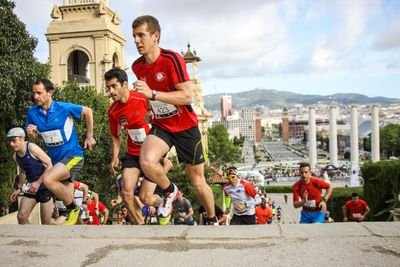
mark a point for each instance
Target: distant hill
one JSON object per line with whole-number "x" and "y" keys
{"x": 278, "y": 99}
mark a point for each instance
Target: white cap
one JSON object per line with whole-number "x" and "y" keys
{"x": 16, "y": 132}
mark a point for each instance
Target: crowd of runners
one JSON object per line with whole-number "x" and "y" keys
{"x": 155, "y": 115}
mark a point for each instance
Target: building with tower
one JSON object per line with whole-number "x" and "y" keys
{"x": 285, "y": 127}
{"x": 85, "y": 41}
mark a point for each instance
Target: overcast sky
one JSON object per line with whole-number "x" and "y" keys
{"x": 306, "y": 46}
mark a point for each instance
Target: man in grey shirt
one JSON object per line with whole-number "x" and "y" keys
{"x": 183, "y": 210}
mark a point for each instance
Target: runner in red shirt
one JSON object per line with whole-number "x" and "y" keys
{"x": 164, "y": 81}
{"x": 127, "y": 112}
{"x": 358, "y": 209}
{"x": 93, "y": 217}
{"x": 307, "y": 194}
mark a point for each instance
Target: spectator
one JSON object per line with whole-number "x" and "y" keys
{"x": 183, "y": 210}
{"x": 358, "y": 209}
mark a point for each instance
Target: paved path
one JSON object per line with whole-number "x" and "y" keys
{"x": 336, "y": 244}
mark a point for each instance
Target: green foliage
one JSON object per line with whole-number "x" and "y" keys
{"x": 382, "y": 187}
{"x": 19, "y": 69}
{"x": 389, "y": 140}
{"x": 276, "y": 189}
{"x": 221, "y": 150}
{"x": 96, "y": 170}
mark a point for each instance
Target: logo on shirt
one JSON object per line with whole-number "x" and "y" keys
{"x": 122, "y": 120}
{"x": 160, "y": 76}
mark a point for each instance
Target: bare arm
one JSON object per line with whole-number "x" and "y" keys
{"x": 181, "y": 96}
{"x": 115, "y": 145}
{"x": 21, "y": 181}
{"x": 37, "y": 152}
{"x": 106, "y": 212}
{"x": 85, "y": 188}
{"x": 90, "y": 142}
{"x": 344, "y": 211}
{"x": 190, "y": 213}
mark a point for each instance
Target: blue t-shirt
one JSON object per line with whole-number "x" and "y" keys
{"x": 57, "y": 129}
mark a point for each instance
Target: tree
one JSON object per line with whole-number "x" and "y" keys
{"x": 221, "y": 149}
{"x": 390, "y": 140}
{"x": 389, "y": 137}
{"x": 19, "y": 69}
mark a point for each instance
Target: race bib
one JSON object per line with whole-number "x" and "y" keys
{"x": 163, "y": 110}
{"x": 182, "y": 214}
{"x": 52, "y": 138}
{"x": 310, "y": 204}
{"x": 137, "y": 135}
{"x": 356, "y": 215}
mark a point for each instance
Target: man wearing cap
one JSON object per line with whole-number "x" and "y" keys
{"x": 358, "y": 209}
{"x": 54, "y": 122}
{"x": 33, "y": 162}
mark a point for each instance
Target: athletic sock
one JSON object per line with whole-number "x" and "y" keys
{"x": 169, "y": 189}
{"x": 71, "y": 206}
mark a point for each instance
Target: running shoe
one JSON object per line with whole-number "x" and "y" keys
{"x": 165, "y": 209}
{"x": 73, "y": 216}
{"x": 164, "y": 220}
{"x": 213, "y": 221}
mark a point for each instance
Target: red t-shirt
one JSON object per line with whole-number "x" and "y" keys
{"x": 313, "y": 187}
{"x": 92, "y": 212}
{"x": 130, "y": 116}
{"x": 263, "y": 215}
{"x": 356, "y": 209}
{"x": 163, "y": 75}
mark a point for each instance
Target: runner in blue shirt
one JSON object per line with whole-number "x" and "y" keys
{"x": 54, "y": 122}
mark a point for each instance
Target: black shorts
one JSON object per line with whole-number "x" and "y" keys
{"x": 187, "y": 143}
{"x": 243, "y": 219}
{"x": 41, "y": 196}
{"x": 130, "y": 161}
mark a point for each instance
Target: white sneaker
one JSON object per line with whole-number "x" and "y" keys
{"x": 165, "y": 208}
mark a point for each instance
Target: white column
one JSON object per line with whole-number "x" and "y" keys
{"x": 355, "y": 168}
{"x": 375, "y": 146}
{"x": 333, "y": 151}
{"x": 354, "y": 136}
{"x": 312, "y": 138}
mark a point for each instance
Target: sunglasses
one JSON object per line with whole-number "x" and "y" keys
{"x": 231, "y": 176}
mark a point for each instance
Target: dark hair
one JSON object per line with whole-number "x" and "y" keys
{"x": 152, "y": 24}
{"x": 48, "y": 85}
{"x": 304, "y": 164}
{"x": 354, "y": 194}
{"x": 117, "y": 73}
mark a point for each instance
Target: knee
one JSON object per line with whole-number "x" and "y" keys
{"x": 22, "y": 217}
{"x": 47, "y": 180}
{"x": 145, "y": 164}
{"x": 200, "y": 186}
{"x": 146, "y": 199}
{"x": 126, "y": 195}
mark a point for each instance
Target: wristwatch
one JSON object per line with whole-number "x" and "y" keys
{"x": 153, "y": 94}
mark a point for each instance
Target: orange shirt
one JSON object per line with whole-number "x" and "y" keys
{"x": 263, "y": 215}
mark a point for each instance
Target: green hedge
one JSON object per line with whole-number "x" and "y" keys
{"x": 382, "y": 187}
